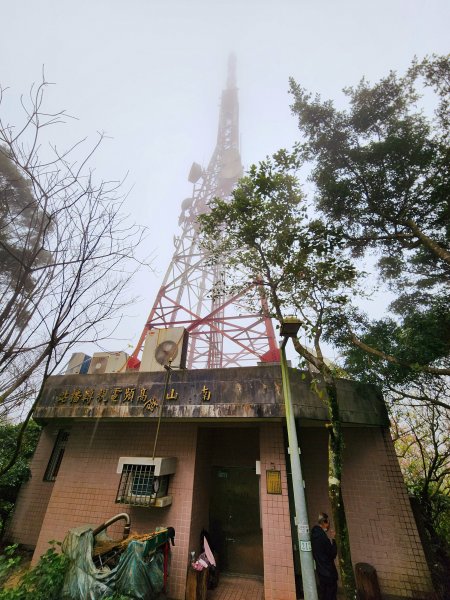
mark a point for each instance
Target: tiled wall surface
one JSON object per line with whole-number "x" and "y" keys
{"x": 34, "y": 495}
{"x": 279, "y": 580}
{"x": 381, "y": 524}
{"x": 383, "y": 527}
{"x": 86, "y": 486}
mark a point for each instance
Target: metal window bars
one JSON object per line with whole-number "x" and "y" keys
{"x": 57, "y": 455}
{"x": 136, "y": 486}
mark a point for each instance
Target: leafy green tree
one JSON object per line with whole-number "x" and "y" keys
{"x": 381, "y": 171}
{"x": 422, "y": 443}
{"x": 264, "y": 236}
{"x": 423, "y": 447}
{"x": 10, "y": 482}
{"x": 22, "y": 226}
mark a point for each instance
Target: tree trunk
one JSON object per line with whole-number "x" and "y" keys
{"x": 335, "y": 449}
{"x": 428, "y": 242}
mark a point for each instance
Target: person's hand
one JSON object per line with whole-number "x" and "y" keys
{"x": 331, "y": 534}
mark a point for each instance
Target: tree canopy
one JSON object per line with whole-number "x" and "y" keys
{"x": 269, "y": 237}
{"x": 381, "y": 171}
{"x": 268, "y": 244}
{"x": 380, "y": 167}
{"x": 22, "y": 224}
{"x": 20, "y": 472}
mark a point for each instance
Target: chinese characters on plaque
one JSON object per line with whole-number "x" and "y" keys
{"x": 273, "y": 481}
{"x": 136, "y": 396}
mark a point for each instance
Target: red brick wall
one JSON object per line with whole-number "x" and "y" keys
{"x": 34, "y": 494}
{"x": 85, "y": 490}
{"x": 382, "y": 529}
{"x": 381, "y": 524}
{"x": 279, "y": 580}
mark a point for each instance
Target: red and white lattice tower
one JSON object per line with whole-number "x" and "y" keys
{"x": 222, "y": 332}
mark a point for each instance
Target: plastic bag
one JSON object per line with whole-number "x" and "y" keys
{"x": 138, "y": 574}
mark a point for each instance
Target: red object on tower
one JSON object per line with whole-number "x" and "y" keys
{"x": 222, "y": 331}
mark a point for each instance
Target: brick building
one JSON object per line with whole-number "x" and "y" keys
{"x": 225, "y": 429}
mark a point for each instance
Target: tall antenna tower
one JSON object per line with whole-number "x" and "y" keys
{"x": 222, "y": 332}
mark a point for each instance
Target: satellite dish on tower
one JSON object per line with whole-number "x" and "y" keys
{"x": 195, "y": 173}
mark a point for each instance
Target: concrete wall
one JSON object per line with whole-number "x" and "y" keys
{"x": 236, "y": 393}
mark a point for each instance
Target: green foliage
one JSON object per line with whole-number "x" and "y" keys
{"x": 11, "y": 481}
{"x": 270, "y": 238}
{"x": 383, "y": 165}
{"x": 44, "y": 581}
{"x": 8, "y": 561}
{"x": 8, "y": 436}
{"x": 419, "y": 336}
{"x": 265, "y": 235}
{"x": 381, "y": 171}
{"x": 423, "y": 448}
{"x": 20, "y": 223}
{"x": 441, "y": 507}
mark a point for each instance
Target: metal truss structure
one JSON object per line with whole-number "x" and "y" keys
{"x": 222, "y": 331}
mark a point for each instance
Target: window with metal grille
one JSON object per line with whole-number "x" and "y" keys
{"x": 137, "y": 485}
{"x": 57, "y": 455}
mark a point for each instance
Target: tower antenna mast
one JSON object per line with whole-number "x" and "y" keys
{"x": 222, "y": 331}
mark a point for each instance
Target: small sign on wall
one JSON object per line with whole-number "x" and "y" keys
{"x": 273, "y": 481}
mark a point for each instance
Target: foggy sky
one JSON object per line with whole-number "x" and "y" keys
{"x": 149, "y": 73}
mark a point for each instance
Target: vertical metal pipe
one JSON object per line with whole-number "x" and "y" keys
{"x": 301, "y": 515}
{"x": 166, "y": 387}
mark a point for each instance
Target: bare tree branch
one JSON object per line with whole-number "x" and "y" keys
{"x": 67, "y": 252}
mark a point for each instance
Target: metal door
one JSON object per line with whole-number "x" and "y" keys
{"x": 235, "y": 525}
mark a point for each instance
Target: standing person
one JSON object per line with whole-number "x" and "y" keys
{"x": 324, "y": 551}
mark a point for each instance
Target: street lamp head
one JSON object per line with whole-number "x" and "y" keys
{"x": 290, "y": 326}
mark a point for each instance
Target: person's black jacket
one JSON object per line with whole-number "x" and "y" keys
{"x": 324, "y": 552}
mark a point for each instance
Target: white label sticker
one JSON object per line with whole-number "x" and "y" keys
{"x": 305, "y": 546}
{"x": 303, "y": 528}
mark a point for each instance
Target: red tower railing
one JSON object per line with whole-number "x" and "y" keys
{"x": 223, "y": 332}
